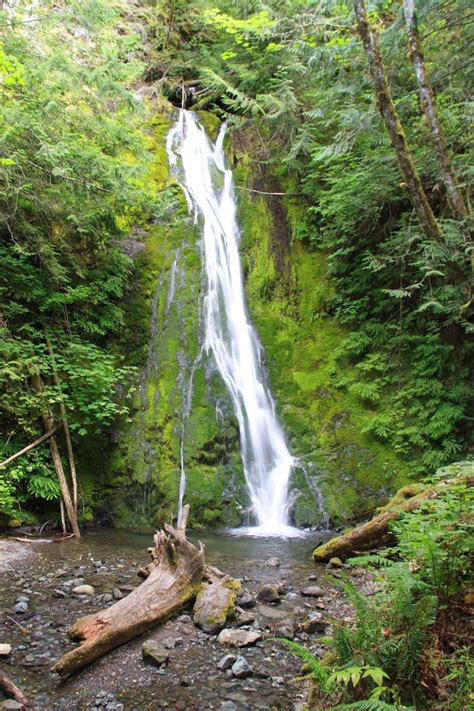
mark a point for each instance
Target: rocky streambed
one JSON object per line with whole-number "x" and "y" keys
{"x": 46, "y": 586}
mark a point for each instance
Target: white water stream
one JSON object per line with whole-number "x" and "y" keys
{"x": 229, "y": 335}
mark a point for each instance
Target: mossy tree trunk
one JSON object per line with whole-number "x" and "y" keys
{"x": 428, "y": 105}
{"x": 394, "y": 128}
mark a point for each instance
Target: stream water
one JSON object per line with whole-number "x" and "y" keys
{"x": 108, "y": 560}
{"x": 230, "y": 337}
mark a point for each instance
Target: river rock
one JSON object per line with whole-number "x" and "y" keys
{"x": 246, "y": 600}
{"x": 268, "y": 593}
{"x": 20, "y": 608}
{"x": 241, "y": 668}
{"x": 239, "y": 638}
{"x": 335, "y": 563}
{"x": 22, "y": 598}
{"x": 313, "y": 591}
{"x": 273, "y": 562}
{"x": 314, "y": 623}
{"x": 117, "y": 594}
{"x": 212, "y": 606}
{"x": 154, "y": 652}
{"x": 5, "y": 650}
{"x": 228, "y": 706}
{"x": 83, "y": 590}
{"x": 244, "y": 617}
{"x": 10, "y": 705}
{"x": 226, "y": 662}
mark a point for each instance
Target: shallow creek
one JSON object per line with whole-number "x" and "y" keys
{"x": 122, "y": 681}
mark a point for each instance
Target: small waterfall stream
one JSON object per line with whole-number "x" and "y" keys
{"x": 229, "y": 335}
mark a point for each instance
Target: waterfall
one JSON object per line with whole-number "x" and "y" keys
{"x": 229, "y": 335}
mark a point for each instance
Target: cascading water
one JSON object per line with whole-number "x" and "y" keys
{"x": 229, "y": 335}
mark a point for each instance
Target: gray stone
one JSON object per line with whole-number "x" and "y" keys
{"x": 313, "y": 591}
{"x": 314, "y": 623}
{"x": 83, "y": 590}
{"x": 185, "y": 619}
{"x": 22, "y": 598}
{"x": 20, "y": 607}
{"x": 117, "y": 594}
{"x": 239, "y": 638}
{"x": 168, "y": 643}
{"x": 10, "y": 705}
{"x": 226, "y": 662}
{"x": 241, "y": 668}
{"x": 154, "y": 652}
{"x": 228, "y": 706}
{"x": 268, "y": 593}
{"x": 246, "y": 600}
{"x": 107, "y": 597}
{"x": 59, "y": 593}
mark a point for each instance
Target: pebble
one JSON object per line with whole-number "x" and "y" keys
{"x": 22, "y": 598}
{"x": 5, "y": 650}
{"x": 153, "y": 652}
{"x": 273, "y": 562}
{"x": 239, "y": 638}
{"x": 117, "y": 594}
{"x": 246, "y": 600}
{"x": 228, "y": 706}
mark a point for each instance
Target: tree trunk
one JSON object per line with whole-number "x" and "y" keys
{"x": 429, "y": 109}
{"x": 175, "y": 579}
{"x": 48, "y": 424}
{"x": 375, "y": 533}
{"x": 67, "y": 433}
{"x": 394, "y": 128}
{"x": 29, "y": 446}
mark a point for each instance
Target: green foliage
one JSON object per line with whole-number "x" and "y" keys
{"x": 390, "y": 652}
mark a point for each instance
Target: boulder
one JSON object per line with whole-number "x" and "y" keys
{"x": 239, "y": 637}
{"x": 213, "y": 605}
{"x": 154, "y": 652}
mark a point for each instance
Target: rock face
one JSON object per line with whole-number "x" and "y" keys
{"x": 212, "y": 607}
{"x": 239, "y": 638}
{"x": 268, "y": 593}
{"x": 313, "y": 591}
{"x": 155, "y": 653}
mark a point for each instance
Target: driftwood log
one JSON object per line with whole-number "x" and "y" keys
{"x": 375, "y": 533}
{"x": 174, "y": 578}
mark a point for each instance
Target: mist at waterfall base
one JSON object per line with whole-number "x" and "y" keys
{"x": 229, "y": 336}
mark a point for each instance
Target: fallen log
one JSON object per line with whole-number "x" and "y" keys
{"x": 174, "y": 579}
{"x": 375, "y": 533}
{"x": 13, "y": 692}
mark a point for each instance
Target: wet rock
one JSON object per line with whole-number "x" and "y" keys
{"x": 273, "y": 562}
{"x": 313, "y": 591}
{"x": 227, "y": 706}
{"x": 244, "y": 617}
{"x": 5, "y": 650}
{"x": 241, "y": 668}
{"x": 268, "y": 593}
{"x": 154, "y": 652}
{"x": 226, "y": 662}
{"x": 212, "y": 607}
{"x": 335, "y": 563}
{"x": 246, "y": 600}
{"x": 10, "y": 705}
{"x": 20, "y": 608}
{"x": 107, "y": 597}
{"x": 314, "y": 623}
{"x": 59, "y": 593}
{"x": 83, "y": 590}
{"x": 239, "y": 638}
{"x": 117, "y": 594}
{"x": 313, "y": 576}
{"x": 273, "y": 613}
{"x": 185, "y": 619}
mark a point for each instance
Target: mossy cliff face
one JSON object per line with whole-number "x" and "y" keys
{"x": 343, "y": 472}
{"x": 180, "y": 400}
{"x": 180, "y": 406}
